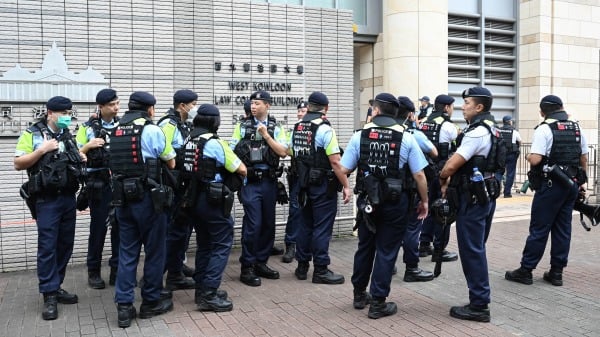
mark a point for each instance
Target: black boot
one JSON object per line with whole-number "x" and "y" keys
{"x": 325, "y": 276}
{"x": 188, "y": 271}
{"x": 380, "y": 308}
{"x": 471, "y": 313}
{"x": 50, "y": 311}
{"x": 446, "y": 256}
{"x": 521, "y": 275}
{"x": 112, "y": 278}
{"x": 125, "y": 313}
{"x": 64, "y": 297}
{"x": 276, "y": 251}
{"x": 154, "y": 308}
{"x": 177, "y": 281}
{"x": 554, "y": 276}
{"x": 199, "y": 291}
{"x": 361, "y": 299}
{"x": 249, "y": 277}
{"x": 290, "y": 252}
{"x": 94, "y": 280}
{"x": 301, "y": 271}
{"x": 209, "y": 300}
{"x": 417, "y": 274}
{"x": 263, "y": 270}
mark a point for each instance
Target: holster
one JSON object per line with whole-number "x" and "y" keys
{"x": 30, "y": 199}
{"x": 214, "y": 193}
{"x": 315, "y": 176}
{"x": 372, "y": 186}
{"x": 333, "y": 185}
{"x": 133, "y": 189}
{"x": 493, "y": 188}
{"x": 228, "y": 197}
{"x": 162, "y": 198}
{"x": 362, "y": 216}
{"x": 392, "y": 189}
{"x": 118, "y": 197}
{"x": 535, "y": 178}
{"x": 82, "y": 201}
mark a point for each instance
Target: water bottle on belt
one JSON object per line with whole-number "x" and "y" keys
{"x": 478, "y": 187}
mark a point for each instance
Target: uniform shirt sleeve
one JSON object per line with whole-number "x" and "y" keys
{"x": 25, "y": 144}
{"x": 281, "y": 136}
{"x": 352, "y": 152}
{"x": 236, "y": 136}
{"x": 82, "y": 137}
{"x": 154, "y": 144}
{"x": 220, "y": 151}
{"x": 475, "y": 143}
{"x": 172, "y": 134}
{"x": 448, "y": 132}
{"x": 516, "y": 137}
{"x": 411, "y": 153}
{"x": 584, "y": 145}
{"x": 424, "y": 143}
{"x": 326, "y": 139}
{"x": 541, "y": 142}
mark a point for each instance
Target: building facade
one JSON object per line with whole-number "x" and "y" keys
{"x": 224, "y": 50}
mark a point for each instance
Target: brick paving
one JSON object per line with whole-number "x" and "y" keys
{"x": 289, "y": 307}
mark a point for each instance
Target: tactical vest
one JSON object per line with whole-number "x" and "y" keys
{"x": 195, "y": 166}
{"x": 248, "y": 144}
{"x": 506, "y": 132}
{"x": 566, "y": 144}
{"x": 99, "y": 157}
{"x": 432, "y": 128}
{"x": 183, "y": 128}
{"x": 126, "y": 146}
{"x": 305, "y": 132}
{"x": 494, "y": 161}
{"x": 58, "y": 171}
{"x": 380, "y": 151}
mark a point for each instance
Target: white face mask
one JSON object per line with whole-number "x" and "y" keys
{"x": 192, "y": 113}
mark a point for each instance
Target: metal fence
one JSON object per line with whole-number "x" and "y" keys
{"x": 523, "y": 167}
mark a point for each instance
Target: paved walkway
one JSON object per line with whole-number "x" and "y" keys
{"x": 288, "y": 307}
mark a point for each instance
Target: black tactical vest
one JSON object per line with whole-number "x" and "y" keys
{"x": 305, "y": 132}
{"x": 99, "y": 157}
{"x": 432, "y": 128}
{"x": 195, "y": 166}
{"x": 244, "y": 147}
{"x": 566, "y": 143}
{"x": 380, "y": 149}
{"x": 495, "y": 160}
{"x": 506, "y": 132}
{"x": 174, "y": 118}
{"x": 126, "y": 159}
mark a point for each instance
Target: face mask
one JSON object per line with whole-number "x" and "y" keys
{"x": 63, "y": 122}
{"x": 192, "y": 113}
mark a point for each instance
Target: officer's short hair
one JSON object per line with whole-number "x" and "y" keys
{"x": 315, "y": 107}
{"x": 135, "y": 105}
{"x": 211, "y": 123}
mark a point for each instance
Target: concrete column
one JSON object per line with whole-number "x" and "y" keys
{"x": 415, "y": 48}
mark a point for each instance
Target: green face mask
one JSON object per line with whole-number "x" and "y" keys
{"x": 63, "y": 122}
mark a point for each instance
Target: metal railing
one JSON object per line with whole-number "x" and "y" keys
{"x": 523, "y": 166}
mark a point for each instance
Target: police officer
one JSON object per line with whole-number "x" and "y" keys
{"x": 294, "y": 215}
{"x": 558, "y": 160}
{"x": 512, "y": 141}
{"x": 141, "y": 202}
{"x": 211, "y": 167}
{"x": 179, "y": 230}
{"x": 440, "y": 129}
{"x": 317, "y": 159}
{"x": 259, "y": 142}
{"x": 410, "y": 242}
{"x": 93, "y": 141}
{"x": 477, "y": 147}
{"x": 381, "y": 151}
{"x": 48, "y": 152}
{"x": 425, "y": 109}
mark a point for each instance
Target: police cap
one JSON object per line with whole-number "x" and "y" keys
{"x": 302, "y": 105}
{"x": 261, "y": 95}
{"x": 106, "y": 96}
{"x": 444, "y": 99}
{"x": 59, "y": 103}
{"x": 143, "y": 97}
{"x": 385, "y": 97}
{"x": 318, "y": 98}
{"x": 208, "y": 110}
{"x": 184, "y": 96}
{"x": 406, "y": 103}
{"x": 424, "y": 98}
{"x": 551, "y": 99}
{"x": 476, "y": 92}
{"x": 506, "y": 119}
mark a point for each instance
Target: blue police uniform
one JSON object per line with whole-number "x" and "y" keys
{"x": 259, "y": 194}
{"x": 561, "y": 145}
{"x": 179, "y": 229}
{"x": 377, "y": 251}
{"x": 320, "y": 194}
{"x": 100, "y": 196}
{"x": 410, "y": 242}
{"x": 51, "y": 198}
